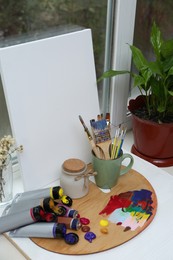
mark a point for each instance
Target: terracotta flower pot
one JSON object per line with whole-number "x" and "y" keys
{"x": 152, "y": 141}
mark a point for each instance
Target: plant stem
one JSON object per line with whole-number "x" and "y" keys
{"x": 1, "y": 186}
{"x": 148, "y": 102}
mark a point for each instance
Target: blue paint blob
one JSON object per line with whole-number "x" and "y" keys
{"x": 141, "y": 195}
{"x": 90, "y": 236}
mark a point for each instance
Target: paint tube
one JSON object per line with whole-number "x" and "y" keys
{"x": 62, "y": 210}
{"x": 46, "y": 230}
{"x": 27, "y": 200}
{"x": 28, "y": 204}
{"x": 53, "y": 192}
{"x": 71, "y": 223}
{"x": 58, "y": 209}
{"x": 16, "y": 220}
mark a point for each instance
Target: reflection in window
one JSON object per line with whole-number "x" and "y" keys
{"x": 148, "y": 11}
{"x": 26, "y": 20}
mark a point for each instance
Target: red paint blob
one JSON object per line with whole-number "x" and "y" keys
{"x": 114, "y": 203}
{"x": 84, "y": 221}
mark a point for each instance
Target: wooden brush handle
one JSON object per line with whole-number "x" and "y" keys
{"x": 95, "y": 149}
{"x": 105, "y": 148}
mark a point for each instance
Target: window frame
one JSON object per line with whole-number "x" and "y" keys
{"x": 124, "y": 24}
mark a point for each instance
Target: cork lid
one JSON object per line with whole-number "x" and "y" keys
{"x": 73, "y": 165}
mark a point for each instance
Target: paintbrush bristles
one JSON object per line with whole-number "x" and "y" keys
{"x": 101, "y": 140}
{"x": 100, "y": 131}
{"x": 118, "y": 142}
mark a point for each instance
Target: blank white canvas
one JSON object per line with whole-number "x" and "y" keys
{"x": 48, "y": 83}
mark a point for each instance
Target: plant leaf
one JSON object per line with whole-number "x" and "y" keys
{"x": 161, "y": 108}
{"x": 157, "y": 89}
{"x": 138, "y": 58}
{"x": 156, "y": 40}
{"x": 147, "y": 73}
{"x": 167, "y": 48}
{"x": 112, "y": 73}
{"x": 170, "y": 72}
{"x": 171, "y": 93}
{"x": 155, "y": 67}
{"x": 138, "y": 80}
{"x": 167, "y": 63}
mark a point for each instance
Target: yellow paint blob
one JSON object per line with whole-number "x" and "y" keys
{"x": 104, "y": 223}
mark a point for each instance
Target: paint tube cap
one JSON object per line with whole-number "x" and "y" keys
{"x": 57, "y": 192}
{"x": 71, "y": 238}
{"x": 66, "y": 200}
{"x": 48, "y": 205}
{"x": 72, "y": 213}
{"x": 59, "y": 230}
{"x": 75, "y": 224}
{"x": 37, "y": 213}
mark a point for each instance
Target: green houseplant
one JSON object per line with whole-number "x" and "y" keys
{"x": 155, "y": 104}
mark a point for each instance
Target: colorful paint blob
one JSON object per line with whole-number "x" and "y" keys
{"x": 84, "y": 221}
{"x": 90, "y": 236}
{"x": 104, "y": 222}
{"x": 104, "y": 230}
{"x": 130, "y": 209}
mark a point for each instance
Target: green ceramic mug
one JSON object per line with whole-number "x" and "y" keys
{"x": 108, "y": 171}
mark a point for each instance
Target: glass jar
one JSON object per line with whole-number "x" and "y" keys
{"x": 6, "y": 182}
{"x": 74, "y": 179}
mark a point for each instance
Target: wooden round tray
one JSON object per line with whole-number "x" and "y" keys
{"x": 89, "y": 207}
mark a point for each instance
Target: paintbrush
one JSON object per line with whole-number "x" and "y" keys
{"x": 102, "y": 137}
{"x": 92, "y": 143}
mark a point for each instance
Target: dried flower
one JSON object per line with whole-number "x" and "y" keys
{"x": 7, "y": 147}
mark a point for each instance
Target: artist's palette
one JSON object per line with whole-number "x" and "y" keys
{"x": 130, "y": 213}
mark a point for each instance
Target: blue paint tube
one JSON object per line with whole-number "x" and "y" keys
{"x": 46, "y": 230}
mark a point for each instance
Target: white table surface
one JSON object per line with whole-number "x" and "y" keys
{"x": 154, "y": 243}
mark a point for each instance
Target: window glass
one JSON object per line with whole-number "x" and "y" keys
{"x": 148, "y": 11}
{"x": 28, "y": 20}
{"x": 25, "y": 20}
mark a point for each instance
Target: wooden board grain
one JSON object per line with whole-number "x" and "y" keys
{"x": 89, "y": 207}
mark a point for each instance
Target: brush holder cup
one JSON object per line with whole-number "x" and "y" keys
{"x": 74, "y": 178}
{"x": 108, "y": 171}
